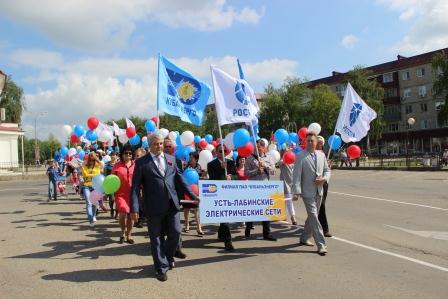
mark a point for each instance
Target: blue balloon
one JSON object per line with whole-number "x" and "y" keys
{"x": 191, "y": 176}
{"x": 97, "y": 182}
{"x": 208, "y": 138}
{"x": 95, "y": 146}
{"x": 281, "y": 136}
{"x": 81, "y": 154}
{"x": 78, "y": 130}
{"x": 91, "y": 135}
{"x": 293, "y": 138}
{"x": 134, "y": 140}
{"x": 150, "y": 125}
{"x": 335, "y": 142}
{"x": 178, "y": 141}
{"x": 145, "y": 144}
{"x": 297, "y": 150}
{"x": 234, "y": 155}
{"x": 64, "y": 151}
{"x": 197, "y": 138}
{"x": 240, "y": 138}
{"x": 282, "y": 146}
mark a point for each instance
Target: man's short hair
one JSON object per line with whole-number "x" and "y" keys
{"x": 311, "y": 134}
{"x": 155, "y": 136}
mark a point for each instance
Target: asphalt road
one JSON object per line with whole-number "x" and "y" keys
{"x": 390, "y": 241}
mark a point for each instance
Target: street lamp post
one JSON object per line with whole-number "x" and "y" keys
{"x": 36, "y": 149}
{"x": 411, "y": 122}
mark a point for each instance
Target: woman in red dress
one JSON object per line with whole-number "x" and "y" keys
{"x": 124, "y": 169}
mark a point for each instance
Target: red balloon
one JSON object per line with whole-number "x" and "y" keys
{"x": 289, "y": 157}
{"x": 303, "y": 144}
{"x": 195, "y": 189}
{"x": 85, "y": 157}
{"x": 203, "y": 144}
{"x": 93, "y": 122}
{"x": 156, "y": 120}
{"x": 130, "y": 132}
{"x": 353, "y": 151}
{"x": 74, "y": 139}
{"x": 246, "y": 150}
{"x": 214, "y": 143}
{"x": 302, "y": 133}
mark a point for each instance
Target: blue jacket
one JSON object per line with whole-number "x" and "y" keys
{"x": 159, "y": 192}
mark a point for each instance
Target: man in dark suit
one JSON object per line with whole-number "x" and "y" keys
{"x": 161, "y": 180}
{"x": 216, "y": 171}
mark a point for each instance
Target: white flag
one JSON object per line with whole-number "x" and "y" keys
{"x": 116, "y": 129}
{"x": 129, "y": 123}
{"x": 235, "y": 100}
{"x": 355, "y": 117}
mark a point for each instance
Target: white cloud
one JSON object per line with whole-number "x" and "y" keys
{"x": 116, "y": 87}
{"x": 349, "y": 41}
{"x": 108, "y": 24}
{"x": 428, "y": 23}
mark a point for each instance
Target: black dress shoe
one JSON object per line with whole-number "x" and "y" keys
{"x": 139, "y": 225}
{"x": 269, "y": 238}
{"x": 328, "y": 235}
{"x": 161, "y": 276}
{"x": 247, "y": 232}
{"x": 180, "y": 255}
{"x": 228, "y": 246}
{"x": 171, "y": 265}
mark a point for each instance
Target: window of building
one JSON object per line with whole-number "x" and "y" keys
{"x": 406, "y": 75}
{"x": 406, "y": 93}
{"x": 391, "y": 92}
{"x": 393, "y": 127}
{"x": 388, "y": 78}
{"x": 408, "y": 109}
{"x": 439, "y": 105}
{"x": 340, "y": 90}
{"x": 424, "y": 107}
{"x": 420, "y": 72}
{"x": 422, "y": 91}
{"x": 424, "y": 124}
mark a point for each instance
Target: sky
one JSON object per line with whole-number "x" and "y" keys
{"x": 77, "y": 58}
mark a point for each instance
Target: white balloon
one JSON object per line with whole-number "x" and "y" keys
{"x": 172, "y": 136}
{"x": 164, "y": 132}
{"x": 187, "y": 138}
{"x": 210, "y": 147}
{"x": 228, "y": 141}
{"x": 314, "y": 128}
{"x": 205, "y": 157}
{"x": 71, "y": 152}
{"x": 144, "y": 138}
{"x": 106, "y": 159}
{"x": 67, "y": 130}
{"x": 105, "y": 136}
{"x": 274, "y": 155}
{"x": 123, "y": 138}
{"x": 272, "y": 147}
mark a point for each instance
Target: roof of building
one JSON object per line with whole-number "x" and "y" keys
{"x": 8, "y": 127}
{"x": 400, "y": 63}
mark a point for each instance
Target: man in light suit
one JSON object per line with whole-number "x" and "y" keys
{"x": 161, "y": 180}
{"x": 310, "y": 172}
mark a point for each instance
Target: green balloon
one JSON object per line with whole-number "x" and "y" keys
{"x": 111, "y": 184}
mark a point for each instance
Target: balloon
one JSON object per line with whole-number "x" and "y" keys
{"x": 95, "y": 146}
{"x": 145, "y": 144}
{"x": 314, "y": 128}
{"x": 205, "y": 157}
{"x": 64, "y": 151}
{"x": 91, "y": 135}
{"x": 208, "y": 138}
{"x": 130, "y": 132}
{"x": 353, "y": 151}
{"x": 214, "y": 143}
{"x": 187, "y": 138}
{"x": 272, "y": 147}
{"x": 195, "y": 189}
{"x": 274, "y": 155}
{"x": 123, "y": 138}
{"x": 335, "y": 142}
{"x": 302, "y": 133}
{"x": 293, "y": 138}
{"x": 234, "y": 155}
{"x": 156, "y": 120}
{"x": 150, "y": 126}
{"x": 246, "y": 150}
{"x": 203, "y": 144}
{"x": 289, "y": 157}
{"x": 173, "y": 135}
{"x": 86, "y": 156}
{"x": 164, "y": 132}
{"x": 228, "y": 141}
{"x": 303, "y": 144}
{"x": 282, "y": 146}
{"x": 78, "y": 130}
{"x": 135, "y": 140}
{"x": 97, "y": 182}
{"x": 67, "y": 130}
{"x": 95, "y": 197}
{"x": 182, "y": 152}
{"x": 92, "y": 122}
{"x": 81, "y": 155}
{"x": 210, "y": 147}
{"x": 240, "y": 138}
{"x": 191, "y": 176}
{"x": 281, "y": 136}
{"x": 105, "y": 136}
{"x": 71, "y": 152}
{"x": 297, "y": 150}
{"x": 197, "y": 138}
{"x": 111, "y": 184}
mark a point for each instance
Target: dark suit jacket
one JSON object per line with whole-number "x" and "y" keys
{"x": 216, "y": 172}
{"x": 160, "y": 193}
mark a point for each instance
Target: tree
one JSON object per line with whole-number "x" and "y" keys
{"x": 440, "y": 87}
{"x": 324, "y": 108}
{"x": 372, "y": 93}
{"x": 12, "y": 100}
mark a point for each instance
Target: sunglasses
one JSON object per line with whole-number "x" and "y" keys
{"x": 168, "y": 146}
{"x": 128, "y": 153}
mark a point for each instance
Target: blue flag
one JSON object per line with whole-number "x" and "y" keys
{"x": 255, "y": 120}
{"x": 180, "y": 93}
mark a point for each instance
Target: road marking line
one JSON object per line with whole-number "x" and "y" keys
{"x": 390, "y": 200}
{"x": 393, "y": 254}
{"x": 19, "y": 189}
{"x": 438, "y": 235}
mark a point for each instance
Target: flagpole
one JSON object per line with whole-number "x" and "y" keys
{"x": 331, "y": 144}
{"x": 219, "y": 127}
{"x": 158, "y": 82}
{"x": 253, "y": 134}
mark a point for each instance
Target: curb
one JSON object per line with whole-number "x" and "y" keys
{"x": 20, "y": 177}
{"x": 393, "y": 168}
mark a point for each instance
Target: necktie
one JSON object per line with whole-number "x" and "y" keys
{"x": 161, "y": 166}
